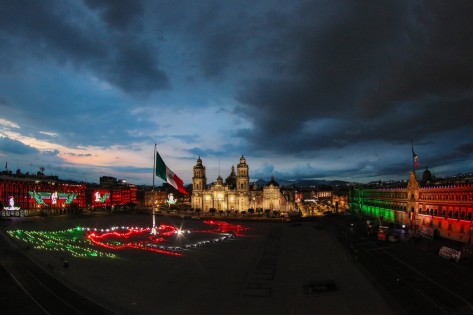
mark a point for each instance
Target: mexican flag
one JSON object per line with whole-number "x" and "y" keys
{"x": 163, "y": 172}
{"x": 415, "y": 159}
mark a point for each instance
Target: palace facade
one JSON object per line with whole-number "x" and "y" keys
{"x": 236, "y": 193}
{"x": 444, "y": 210}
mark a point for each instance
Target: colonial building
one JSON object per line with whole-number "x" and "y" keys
{"x": 24, "y": 196}
{"x": 236, "y": 193}
{"x": 431, "y": 209}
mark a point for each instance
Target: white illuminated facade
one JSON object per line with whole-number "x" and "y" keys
{"x": 236, "y": 193}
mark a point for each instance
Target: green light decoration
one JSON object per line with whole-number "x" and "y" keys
{"x": 104, "y": 197}
{"x": 377, "y": 212}
{"x": 73, "y": 241}
{"x": 37, "y": 197}
{"x": 70, "y": 198}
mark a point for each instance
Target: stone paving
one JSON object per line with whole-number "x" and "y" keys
{"x": 266, "y": 271}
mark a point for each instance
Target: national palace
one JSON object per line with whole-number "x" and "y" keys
{"x": 236, "y": 193}
{"x": 429, "y": 208}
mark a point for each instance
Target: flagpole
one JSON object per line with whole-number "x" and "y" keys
{"x": 153, "y": 229}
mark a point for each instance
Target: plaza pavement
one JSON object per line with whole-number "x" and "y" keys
{"x": 266, "y": 271}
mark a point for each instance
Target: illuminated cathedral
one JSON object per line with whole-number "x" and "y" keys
{"x": 236, "y": 193}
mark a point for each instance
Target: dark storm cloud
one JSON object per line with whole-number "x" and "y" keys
{"x": 466, "y": 148}
{"x": 382, "y": 70}
{"x": 10, "y": 146}
{"x": 306, "y": 77}
{"x": 457, "y": 154}
{"x": 69, "y": 35}
{"x": 118, "y": 14}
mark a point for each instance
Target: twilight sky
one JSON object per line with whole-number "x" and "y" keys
{"x": 302, "y": 89}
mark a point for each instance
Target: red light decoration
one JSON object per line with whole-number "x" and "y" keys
{"x": 140, "y": 238}
{"x": 224, "y": 227}
{"x": 135, "y": 238}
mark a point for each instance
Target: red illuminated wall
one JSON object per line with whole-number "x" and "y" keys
{"x": 123, "y": 195}
{"x": 101, "y": 198}
{"x": 19, "y": 190}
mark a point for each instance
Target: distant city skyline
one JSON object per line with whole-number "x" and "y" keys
{"x": 304, "y": 90}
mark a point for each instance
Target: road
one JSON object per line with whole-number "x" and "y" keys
{"x": 28, "y": 289}
{"x": 415, "y": 281}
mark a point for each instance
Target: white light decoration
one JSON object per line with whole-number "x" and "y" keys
{"x": 11, "y": 202}
{"x": 54, "y": 198}
{"x": 171, "y": 200}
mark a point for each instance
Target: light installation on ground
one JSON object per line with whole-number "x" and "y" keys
{"x": 104, "y": 242}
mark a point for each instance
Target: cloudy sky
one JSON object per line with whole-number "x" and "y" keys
{"x": 302, "y": 89}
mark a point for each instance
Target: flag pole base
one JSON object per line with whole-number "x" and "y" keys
{"x": 153, "y": 230}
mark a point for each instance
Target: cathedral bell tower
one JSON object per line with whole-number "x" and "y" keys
{"x": 199, "y": 184}
{"x": 199, "y": 181}
{"x": 242, "y": 178}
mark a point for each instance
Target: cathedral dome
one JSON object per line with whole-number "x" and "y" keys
{"x": 272, "y": 182}
{"x": 427, "y": 175}
{"x": 231, "y": 179}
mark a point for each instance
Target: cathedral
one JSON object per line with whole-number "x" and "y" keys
{"x": 236, "y": 193}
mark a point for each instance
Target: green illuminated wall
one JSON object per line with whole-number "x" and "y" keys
{"x": 376, "y": 212}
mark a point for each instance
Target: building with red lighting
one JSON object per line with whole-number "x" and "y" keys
{"x": 111, "y": 193}
{"x": 25, "y": 196}
{"x": 441, "y": 209}
{"x": 47, "y": 195}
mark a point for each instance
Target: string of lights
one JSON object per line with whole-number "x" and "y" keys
{"x": 96, "y": 242}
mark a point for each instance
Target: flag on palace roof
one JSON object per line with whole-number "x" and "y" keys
{"x": 163, "y": 172}
{"x": 415, "y": 158}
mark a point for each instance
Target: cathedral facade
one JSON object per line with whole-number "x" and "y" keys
{"x": 236, "y": 193}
